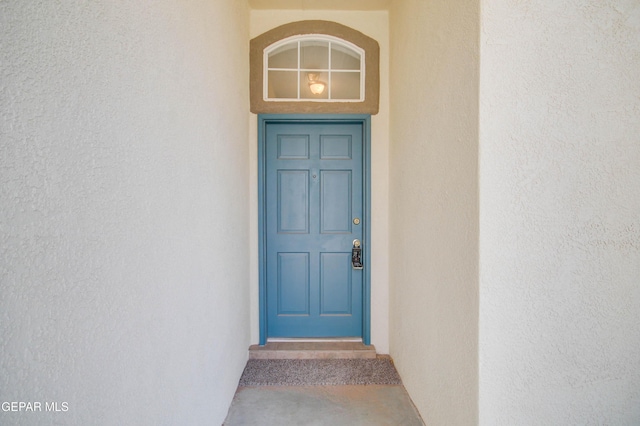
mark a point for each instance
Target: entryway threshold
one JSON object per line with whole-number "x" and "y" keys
{"x": 312, "y": 350}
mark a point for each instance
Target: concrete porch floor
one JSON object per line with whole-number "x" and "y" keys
{"x": 348, "y": 405}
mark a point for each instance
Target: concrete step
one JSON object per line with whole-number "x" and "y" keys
{"x": 312, "y": 350}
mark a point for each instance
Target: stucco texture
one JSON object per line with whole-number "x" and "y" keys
{"x": 560, "y": 213}
{"x": 434, "y": 206}
{"x": 123, "y": 285}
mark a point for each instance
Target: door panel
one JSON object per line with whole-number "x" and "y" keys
{"x": 293, "y": 284}
{"x": 335, "y": 201}
{"x": 335, "y": 283}
{"x": 293, "y": 201}
{"x": 293, "y": 147}
{"x": 313, "y": 192}
{"x": 335, "y": 147}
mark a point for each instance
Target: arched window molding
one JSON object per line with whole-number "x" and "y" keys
{"x": 348, "y": 68}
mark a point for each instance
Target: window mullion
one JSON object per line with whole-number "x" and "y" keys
{"x": 329, "y": 73}
{"x": 298, "y": 72}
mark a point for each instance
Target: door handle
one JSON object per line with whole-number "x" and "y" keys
{"x": 356, "y": 255}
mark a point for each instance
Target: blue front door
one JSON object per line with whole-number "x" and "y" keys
{"x": 314, "y": 212}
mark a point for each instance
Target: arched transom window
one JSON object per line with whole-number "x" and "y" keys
{"x": 313, "y": 67}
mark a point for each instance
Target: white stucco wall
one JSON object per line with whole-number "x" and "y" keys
{"x": 123, "y": 210}
{"x": 434, "y": 205}
{"x": 375, "y": 24}
{"x": 560, "y": 213}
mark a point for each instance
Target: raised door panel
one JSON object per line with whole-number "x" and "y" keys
{"x": 293, "y": 283}
{"x": 335, "y": 284}
{"x": 336, "y": 147}
{"x": 293, "y": 201}
{"x": 335, "y": 201}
